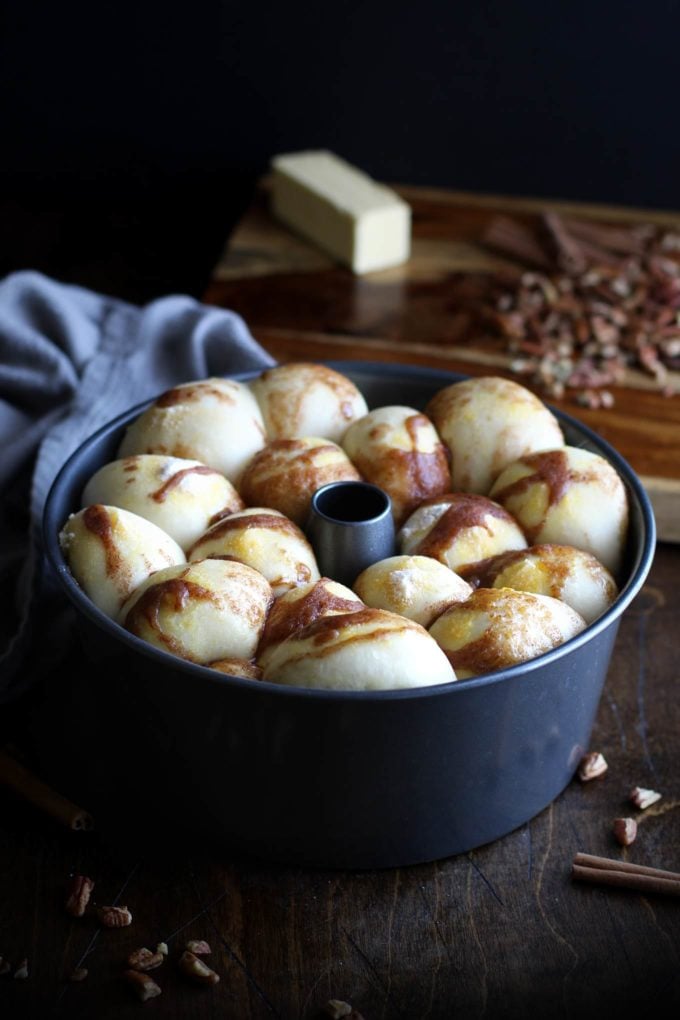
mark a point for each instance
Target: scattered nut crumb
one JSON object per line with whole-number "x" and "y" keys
{"x": 21, "y": 973}
{"x": 643, "y": 798}
{"x": 162, "y": 948}
{"x": 625, "y": 830}
{"x": 79, "y": 974}
{"x": 144, "y": 959}
{"x": 143, "y": 985}
{"x": 78, "y": 895}
{"x": 199, "y": 947}
{"x": 336, "y": 1009}
{"x": 115, "y": 917}
{"x": 194, "y": 968}
{"x": 592, "y": 766}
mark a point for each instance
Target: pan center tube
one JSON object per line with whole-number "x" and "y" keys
{"x": 350, "y": 526}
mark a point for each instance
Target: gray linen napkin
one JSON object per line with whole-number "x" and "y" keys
{"x": 70, "y": 361}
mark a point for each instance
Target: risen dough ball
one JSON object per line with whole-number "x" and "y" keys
{"x": 110, "y": 551}
{"x": 265, "y": 540}
{"x": 460, "y": 528}
{"x": 203, "y": 611}
{"x": 237, "y": 667}
{"x": 418, "y": 587}
{"x": 305, "y": 399}
{"x": 569, "y": 496}
{"x": 487, "y": 423}
{"x": 287, "y": 473}
{"x": 398, "y": 449}
{"x": 561, "y": 571}
{"x": 215, "y": 421}
{"x": 180, "y": 496}
{"x": 501, "y": 627}
{"x": 370, "y": 650}
{"x": 300, "y": 607}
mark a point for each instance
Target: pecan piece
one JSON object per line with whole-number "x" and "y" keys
{"x": 625, "y": 830}
{"x": 78, "y": 895}
{"x": 21, "y": 973}
{"x": 591, "y": 766}
{"x": 79, "y": 974}
{"x": 198, "y": 947}
{"x": 643, "y": 798}
{"x": 114, "y": 917}
{"x": 194, "y": 968}
{"x": 336, "y": 1009}
{"x": 144, "y": 986}
{"x": 144, "y": 959}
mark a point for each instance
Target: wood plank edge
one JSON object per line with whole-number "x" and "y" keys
{"x": 633, "y": 379}
{"x": 664, "y": 495}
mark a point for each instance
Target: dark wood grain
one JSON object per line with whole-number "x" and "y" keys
{"x": 500, "y": 932}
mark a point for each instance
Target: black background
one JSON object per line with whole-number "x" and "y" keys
{"x": 134, "y": 133}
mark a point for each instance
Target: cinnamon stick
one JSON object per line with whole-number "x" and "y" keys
{"x": 568, "y": 251}
{"x": 616, "y": 239}
{"x": 512, "y": 238}
{"x": 623, "y": 875}
{"x": 29, "y": 787}
{"x": 611, "y": 864}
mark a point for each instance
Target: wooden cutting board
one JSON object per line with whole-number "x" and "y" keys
{"x": 299, "y": 305}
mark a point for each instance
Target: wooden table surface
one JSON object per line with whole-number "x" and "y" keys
{"x": 501, "y": 931}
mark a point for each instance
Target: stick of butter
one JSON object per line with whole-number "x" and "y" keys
{"x": 362, "y": 224}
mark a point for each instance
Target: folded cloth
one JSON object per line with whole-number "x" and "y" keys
{"x": 70, "y": 361}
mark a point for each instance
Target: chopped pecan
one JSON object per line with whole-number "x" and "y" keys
{"x": 591, "y": 766}
{"x": 21, "y": 973}
{"x": 643, "y": 798}
{"x": 607, "y": 297}
{"x": 144, "y": 959}
{"x": 199, "y": 947}
{"x": 114, "y": 917}
{"x": 194, "y": 968}
{"x": 144, "y": 986}
{"x": 79, "y": 974}
{"x": 78, "y": 895}
{"x": 625, "y": 830}
{"x": 336, "y": 1009}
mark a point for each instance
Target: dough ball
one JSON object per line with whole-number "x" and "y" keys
{"x": 460, "y": 528}
{"x": 398, "y": 449}
{"x": 500, "y": 627}
{"x": 370, "y": 650}
{"x": 487, "y": 423}
{"x": 264, "y": 539}
{"x": 237, "y": 667}
{"x": 304, "y": 399}
{"x": 418, "y": 587}
{"x": 110, "y": 552}
{"x": 181, "y": 496}
{"x": 202, "y": 612}
{"x": 215, "y": 421}
{"x": 301, "y": 606}
{"x": 561, "y": 571}
{"x": 287, "y": 473}
{"x": 568, "y": 496}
